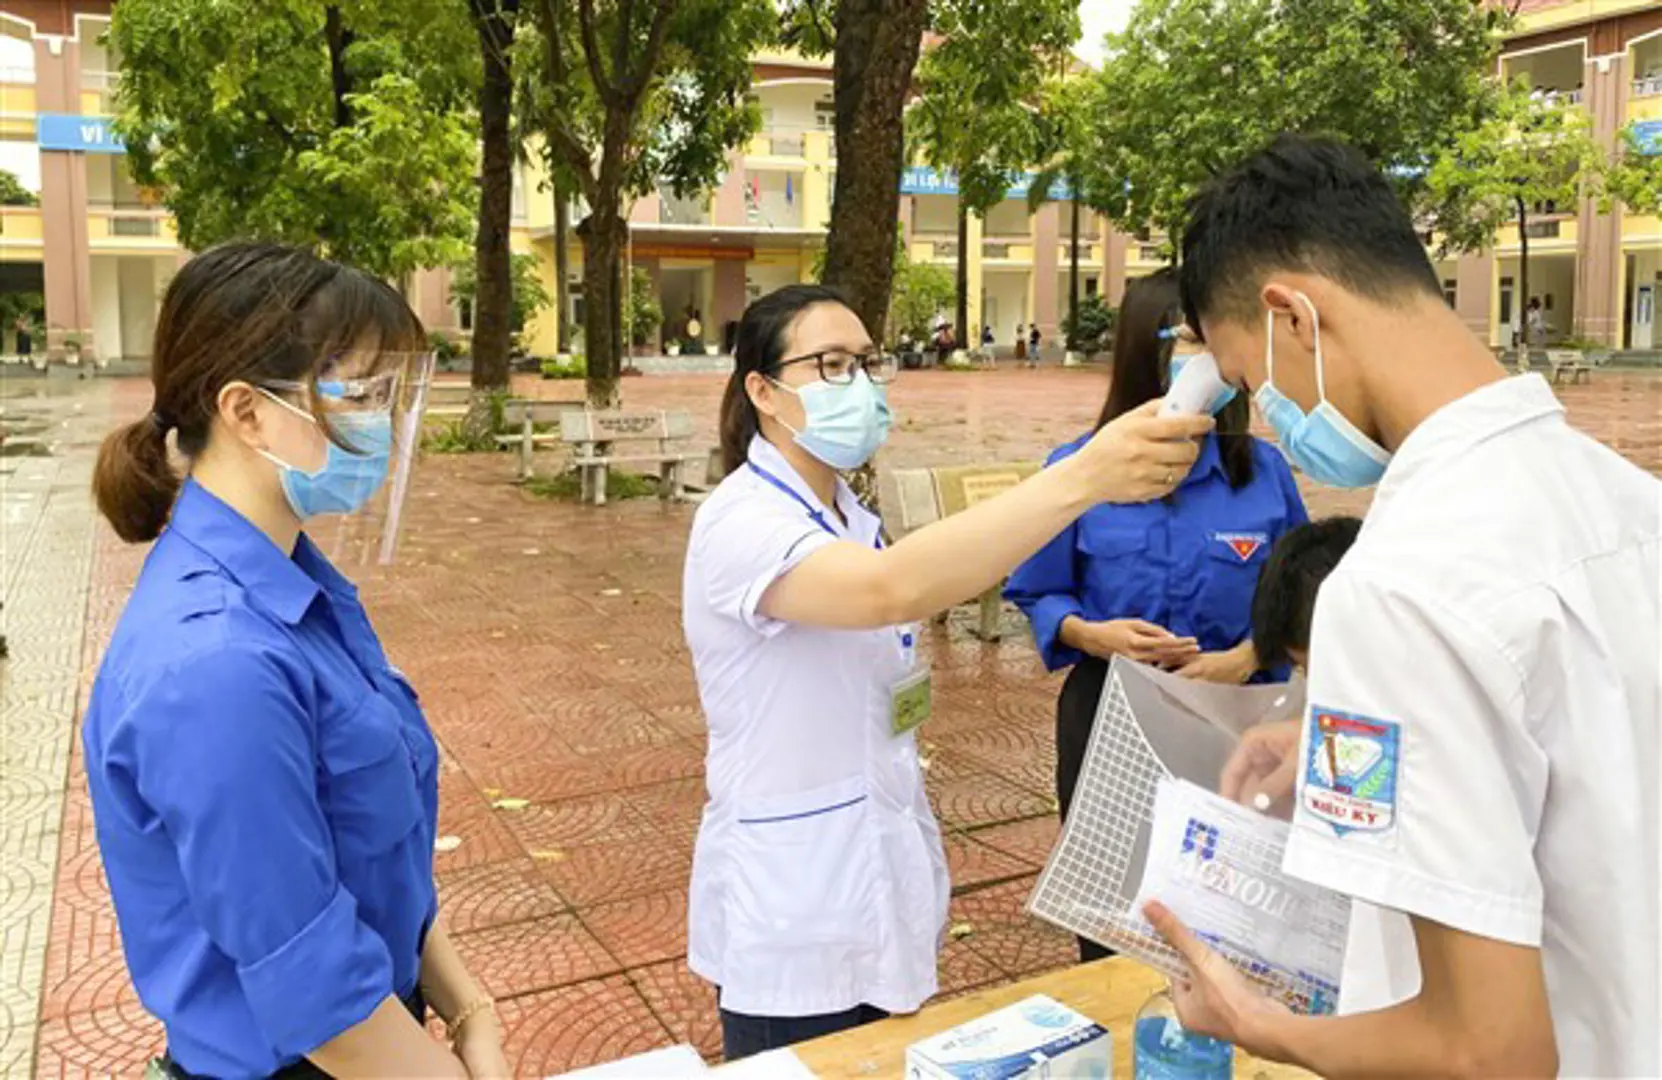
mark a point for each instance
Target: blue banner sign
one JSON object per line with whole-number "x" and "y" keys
{"x": 1649, "y": 135}
{"x": 922, "y": 180}
{"x": 86, "y": 134}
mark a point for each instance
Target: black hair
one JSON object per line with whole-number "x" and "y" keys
{"x": 1143, "y": 343}
{"x": 1285, "y": 599}
{"x": 759, "y": 345}
{"x": 1313, "y": 205}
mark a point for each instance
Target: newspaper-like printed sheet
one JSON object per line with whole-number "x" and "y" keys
{"x": 1217, "y": 865}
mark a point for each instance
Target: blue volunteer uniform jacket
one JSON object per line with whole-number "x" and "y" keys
{"x": 265, "y": 792}
{"x": 1188, "y": 563}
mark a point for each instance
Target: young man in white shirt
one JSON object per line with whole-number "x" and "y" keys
{"x": 1479, "y": 757}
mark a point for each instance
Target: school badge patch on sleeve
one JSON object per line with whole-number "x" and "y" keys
{"x": 1350, "y": 771}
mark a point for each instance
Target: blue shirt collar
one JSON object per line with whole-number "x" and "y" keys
{"x": 1210, "y": 461}
{"x": 283, "y": 586}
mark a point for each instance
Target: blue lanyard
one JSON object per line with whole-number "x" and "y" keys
{"x": 816, "y": 515}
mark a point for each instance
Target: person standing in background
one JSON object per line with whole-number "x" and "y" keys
{"x": 1167, "y": 582}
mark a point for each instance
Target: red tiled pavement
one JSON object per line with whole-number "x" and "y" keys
{"x": 545, "y": 642}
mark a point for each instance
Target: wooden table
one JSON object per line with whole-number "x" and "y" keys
{"x": 1108, "y": 991}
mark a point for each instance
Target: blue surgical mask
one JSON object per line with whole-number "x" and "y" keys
{"x": 1323, "y": 443}
{"x": 1219, "y": 400}
{"x": 348, "y": 478}
{"x": 846, "y": 423}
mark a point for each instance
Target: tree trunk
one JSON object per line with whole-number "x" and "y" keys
{"x": 1073, "y": 276}
{"x": 493, "y": 298}
{"x": 877, "y": 47}
{"x": 562, "y": 268}
{"x": 603, "y": 235}
{"x": 960, "y": 312}
{"x": 338, "y": 38}
{"x": 1522, "y": 301}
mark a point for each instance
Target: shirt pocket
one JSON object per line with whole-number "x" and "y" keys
{"x": 803, "y": 871}
{"x": 373, "y": 798}
{"x": 1223, "y": 589}
{"x": 1114, "y": 568}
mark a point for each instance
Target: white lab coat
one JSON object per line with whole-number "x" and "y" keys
{"x": 819, "y": 882}
{"x": 1500, "y": 613}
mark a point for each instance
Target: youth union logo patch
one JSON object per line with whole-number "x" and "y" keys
{"x": 1244, "y": 545}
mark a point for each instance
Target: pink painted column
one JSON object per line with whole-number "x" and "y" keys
{"x": 1599, "y": 254}
{"x": 728, "y": 204}
{"x": 1114, "y": 247}
{"x": 431, "y": 289}
{"x": 67, "y": 259}
{"x": 1473, "y": 281}
{"x": 1047, "y": 308}
{"x": 729, "y": 299}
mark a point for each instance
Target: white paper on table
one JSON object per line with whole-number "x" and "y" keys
{"x": 670, "y": 1063}
{"x": 781, "y": 1064}
{"x": 1217, "y": 866}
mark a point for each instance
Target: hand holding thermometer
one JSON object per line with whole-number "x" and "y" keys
{"x": 1198, "y": 389}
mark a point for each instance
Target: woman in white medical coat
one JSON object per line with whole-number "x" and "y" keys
{"x": 819, "y": 884}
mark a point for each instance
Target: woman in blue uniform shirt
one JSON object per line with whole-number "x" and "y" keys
{"x": 263, "y": 781}
{"x": 1167, "y": 582}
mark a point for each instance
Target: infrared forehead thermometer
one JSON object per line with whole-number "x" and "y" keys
{"x": 1198, "y": 390}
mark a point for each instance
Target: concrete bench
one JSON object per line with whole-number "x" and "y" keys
{"x": 593, "y": 436}
{"x": 447, "y": 400}
{"x": 1569, "y": 362}
{"x": 526, "y": 415}
{"x": 917, "y": 497}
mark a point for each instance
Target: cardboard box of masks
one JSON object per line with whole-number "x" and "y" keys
{"x": 1035, "y": 1038}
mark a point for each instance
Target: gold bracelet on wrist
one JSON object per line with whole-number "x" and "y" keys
{"x": 468, "y": 1012}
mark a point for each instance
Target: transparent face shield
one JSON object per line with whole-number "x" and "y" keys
{"x": 362, "y": 398}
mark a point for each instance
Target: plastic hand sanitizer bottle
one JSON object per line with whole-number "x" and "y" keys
{"x": 1164, "y": 1051}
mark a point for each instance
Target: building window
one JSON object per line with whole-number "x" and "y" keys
{"x": 1090, "y": 286}
{"x": 1450, "y": 291}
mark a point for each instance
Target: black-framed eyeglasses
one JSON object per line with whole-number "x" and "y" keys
{"x": 837, "y": 366}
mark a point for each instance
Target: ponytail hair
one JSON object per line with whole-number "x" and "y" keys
{"x": 240, "y": 312}
{"x": 134, "y": 483}
{"x": 759, "y": 345}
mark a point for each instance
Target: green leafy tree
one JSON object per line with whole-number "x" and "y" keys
{"x": 344, "y": 127}
{"x": 1090, "y": 328}
{"x": 494, "y": 324}
{"x": 875, "y": 46}
{"x": 977, "y": 115}
{"x": 1193, "y": 85}
{"x": 645, "y": 313}
{"x": 13, "y": 193}
{"x": 1530, "y": 154}
{"x": 1066, "y": 106}
{"x": 632, "y": 94}
{"x": 528, "y": 295}
{"x": 921, "y": 292}
{"x": 1635, "y": 173}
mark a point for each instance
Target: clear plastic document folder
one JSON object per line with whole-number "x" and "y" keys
{"x": 1136, "y": 830}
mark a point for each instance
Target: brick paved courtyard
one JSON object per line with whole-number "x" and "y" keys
{"x": 545, "y": 642}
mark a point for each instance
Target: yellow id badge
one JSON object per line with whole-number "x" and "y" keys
{"x": 910, "y": 702}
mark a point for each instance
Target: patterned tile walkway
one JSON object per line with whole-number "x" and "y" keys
{"x": 546, "y": 644}
{"x": 45, "y": 547}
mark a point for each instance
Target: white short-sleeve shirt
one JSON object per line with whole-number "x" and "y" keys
{"x": 1481, "y": 744}
{"x": 819, "y": 881}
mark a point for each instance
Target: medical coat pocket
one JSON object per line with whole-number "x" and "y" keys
{"x": 372, "y": 799}
{"x": 803, "y": 868}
